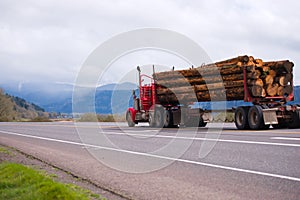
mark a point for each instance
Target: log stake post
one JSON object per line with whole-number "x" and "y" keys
{"x": 247, "y": 96}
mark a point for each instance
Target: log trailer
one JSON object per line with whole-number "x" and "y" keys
{"x": 164, "y": 104}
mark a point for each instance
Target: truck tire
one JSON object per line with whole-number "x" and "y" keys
{"x": 295, "y": 122}
{"x": 168, "y": 119}
{"x": 201, "y": 123}
{"x": 255, "y": 118}
{"x": 281, "y": 124}
{"x": 129, "y": 120}
{"x": 151, "y": 120}
{"x": 159, "y": 118}
{"x": 241, "y": 118}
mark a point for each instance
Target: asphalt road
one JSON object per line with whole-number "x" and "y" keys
{"x": 147, "y": 163}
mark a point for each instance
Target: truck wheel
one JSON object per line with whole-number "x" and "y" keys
{"x": 168, "y": 119}
{"x": 129, "y": 120}
{"x": 281, "y": 124}
{"x": 255, "y": 118}
{"x": 159, "y": 118}
{"x": 151, "y": 120}
{"x": 241, "y": 118}
{"x": 201, "y": 123}
{"x": 295, "y": 122}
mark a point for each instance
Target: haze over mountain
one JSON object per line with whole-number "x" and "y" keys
{"x": 57, "y": 97}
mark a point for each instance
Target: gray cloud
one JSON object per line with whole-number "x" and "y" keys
{"x": 49, "y": 40}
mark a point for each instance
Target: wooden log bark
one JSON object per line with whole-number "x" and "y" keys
{"x": 272, "y": 73}
{"x": 254, "y": 75}
{"x": 250, "y": 68}
{"x": 258, "y": 62}
{"x": 212, "y": 95}
{"x": 280, "y": 91}
{"x": 215, "y": 86}
{"x": 272, "y": 89}
{"x": 263, "y": 79}
{"x": 225, "y": 70}
{"x": 182, "y": 81}
{"x": 284, "y": 90}
{"x": 202, "y": 87}
{"x": 283, "y": 80}
{"x": 217, "y": 95}
{"x": 254, "y": 82}
{"x": 266, "y": 69}
{"x": 206, "y": 70}
{"x": 243, "y": 59}
{"x": 268, "y": 80}
{"x": 257, "y": 91}
{"x": 281, "y": 66}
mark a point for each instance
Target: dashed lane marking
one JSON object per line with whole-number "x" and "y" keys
{"x": 285, "y": 138}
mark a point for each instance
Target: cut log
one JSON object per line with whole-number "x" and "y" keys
{"x": 251, "y": 59}
{"x": 243, "y": 59}
{"x": 223, "y": 65}
{"x": 206, "y": 70}
{"x": 258, "y": 62}
{"x": 272, "y": 73}
{"x": 212, "y": 95}
{"x": 268, "y": 80}
{"x": 182, "y": 81}
{"x": 257, "y": 91}
{"x": 257, "y": 82}
{"x": 202, "y": 87}
{"x": 226, "y": 77}
{"x": 272, "y": 89}
{"x": 225, "y": 70}
{"x": 280, "y": 66}
{"x": 283, "y": 80}
{"x": 254, "y": 75}
{"x": 250, "y": 68}
{"x": 266, "y": 69}
{"x": 222, "y": 85}
{"x": 284, "y": 90}
{"x": 280, "y": 91}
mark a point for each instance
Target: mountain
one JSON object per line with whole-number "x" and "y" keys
{"x": 16, "y": 108}
{"x": 57, "y": 97}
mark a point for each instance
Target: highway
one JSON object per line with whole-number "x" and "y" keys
{"x": 218, "y": 162}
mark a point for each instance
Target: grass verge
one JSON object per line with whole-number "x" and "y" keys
{"x": 5, "y": 151}
{"x": 22, "y": 182}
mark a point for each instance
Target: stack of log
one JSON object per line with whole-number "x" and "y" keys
{"x": 225, "y": 81}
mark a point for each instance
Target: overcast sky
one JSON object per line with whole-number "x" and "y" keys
{"x": 49, "y": 40}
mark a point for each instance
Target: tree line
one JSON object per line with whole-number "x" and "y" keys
{"x": 17, "y": 109}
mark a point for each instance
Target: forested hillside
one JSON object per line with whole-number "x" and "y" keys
{"x": 15, "y": 108}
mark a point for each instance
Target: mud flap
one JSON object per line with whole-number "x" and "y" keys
{"x": 270, "y": 117}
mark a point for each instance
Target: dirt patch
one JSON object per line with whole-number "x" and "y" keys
{"x": 8, "y": 154}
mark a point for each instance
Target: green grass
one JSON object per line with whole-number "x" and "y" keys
{"x": 5, "y": 151}
{"x": 20, "y": 182}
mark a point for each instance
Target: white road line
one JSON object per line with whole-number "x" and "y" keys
{"x": 160, "y": 157}
{"x": 285, "y": 138}
{"x": 202, "y": 139}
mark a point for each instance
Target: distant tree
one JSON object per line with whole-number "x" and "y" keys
{"x": 7, "y": 107}
{"x": 88, "y": 117}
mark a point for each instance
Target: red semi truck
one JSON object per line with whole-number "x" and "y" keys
{"x": 263, "y": 112}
